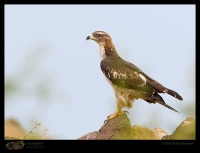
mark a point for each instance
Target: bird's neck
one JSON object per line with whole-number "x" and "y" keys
{"x": 108, "y": 50}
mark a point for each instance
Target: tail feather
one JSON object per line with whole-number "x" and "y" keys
{"x": 174, "y": 94}
{"x": 164, "y": 104}
{"x": 157, "y": 98}
{"x": 161, "y": 89}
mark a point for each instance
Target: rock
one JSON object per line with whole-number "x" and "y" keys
{"x": 120, "y": 128}
{"x": 159, "y": 133}
{"x": 185, "y": 131}
{"x": 142, "y": 133}
{"x": 116, "y": 128}
{"x": 89, "y": 136}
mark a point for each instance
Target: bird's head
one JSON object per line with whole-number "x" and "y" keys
{"x": 100, "y": 37}
{"x": 107, "y": 47}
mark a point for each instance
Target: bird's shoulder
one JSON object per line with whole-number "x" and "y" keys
{"x": 120, "y": 65}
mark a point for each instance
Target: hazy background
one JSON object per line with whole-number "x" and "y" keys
{"x": 53, "y": 77}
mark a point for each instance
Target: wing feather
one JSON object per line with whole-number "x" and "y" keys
{"x": 156, "y": 85}
{"x": 126, "y": 74}
{"x": 122, "y": 75}
{"x": 118, "y": 72}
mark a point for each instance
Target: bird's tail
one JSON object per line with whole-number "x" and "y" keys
{"x": 161, "y": 89}
{"x": 164, "y": 104}
{"x": 174, "y": 94}
{"x": 157, "y": 98}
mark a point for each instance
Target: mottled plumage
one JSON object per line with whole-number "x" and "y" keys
{"x": 128, "y": 81}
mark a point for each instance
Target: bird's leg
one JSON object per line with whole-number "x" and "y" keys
{"x": 117, "y": 112}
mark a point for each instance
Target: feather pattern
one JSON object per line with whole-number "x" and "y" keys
{"x": 127, "y": 80}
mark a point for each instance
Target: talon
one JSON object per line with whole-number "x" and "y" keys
{"x": 118, "y": 111}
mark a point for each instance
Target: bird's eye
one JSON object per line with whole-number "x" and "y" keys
{"x": 99, "y": 35}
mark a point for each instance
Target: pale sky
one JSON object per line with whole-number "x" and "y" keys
{"x": 46, "y": 52}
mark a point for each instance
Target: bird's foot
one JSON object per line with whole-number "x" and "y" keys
{"x": 115, "y": 114}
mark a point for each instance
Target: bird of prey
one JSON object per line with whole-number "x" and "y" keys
{"x": 128, "y": 81}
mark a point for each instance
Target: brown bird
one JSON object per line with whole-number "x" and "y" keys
{"x": 128, "y": 81}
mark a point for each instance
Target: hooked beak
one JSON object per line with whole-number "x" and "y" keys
{"x": 90, "y": 37}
